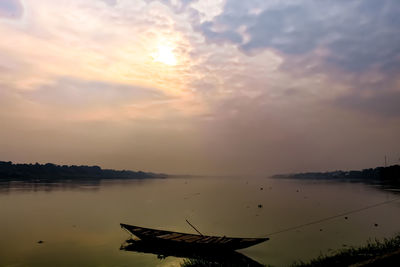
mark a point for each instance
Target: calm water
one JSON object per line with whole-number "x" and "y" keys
{"x": 79, "y": 223}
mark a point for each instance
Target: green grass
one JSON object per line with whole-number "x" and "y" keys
{"x": 205, "y": 263}
{"x": 354, "y": 255}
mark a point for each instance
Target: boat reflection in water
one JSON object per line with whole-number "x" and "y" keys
{"x": 197, "y": 256}
{"x": 198, "y": 248}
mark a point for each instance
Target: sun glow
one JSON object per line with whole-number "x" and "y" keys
{"x": 165, "y": 54}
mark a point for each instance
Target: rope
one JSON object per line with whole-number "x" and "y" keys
{"x": 332, "y": 217}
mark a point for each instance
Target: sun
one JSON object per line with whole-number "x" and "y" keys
{"x": 165, "y": 54}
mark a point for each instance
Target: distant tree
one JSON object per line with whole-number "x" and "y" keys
{"x": 50, "y": 171}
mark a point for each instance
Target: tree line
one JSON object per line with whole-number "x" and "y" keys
{"x": 390, "y": 174}
{"x": 50, "y": 171}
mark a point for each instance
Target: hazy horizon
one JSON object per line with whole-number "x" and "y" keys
{"x": 201, "y": 87}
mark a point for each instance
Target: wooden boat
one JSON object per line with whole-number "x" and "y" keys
{"x": 183, "y": 240}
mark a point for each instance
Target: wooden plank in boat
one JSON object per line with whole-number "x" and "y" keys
{"x": 211, "y": 240}
{"x": 219, "y": 239}
{"x": 226, "y": 240}
{"x": 192, "y": 239}
{"x": 184, "y": 237}
{"x": 204, "y": 239}
{"x": 170, "y": 236}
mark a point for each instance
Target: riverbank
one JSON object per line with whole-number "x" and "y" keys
{"x": 387, "y": 177}
{"x": 375, "y": 253}
{"x": 51, "y": 172}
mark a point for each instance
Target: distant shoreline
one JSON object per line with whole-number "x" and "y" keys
{"x": 50, "y": 172}
{"x": 380, "y": 175}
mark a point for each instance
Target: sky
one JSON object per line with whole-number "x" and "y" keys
{"x": 218, "y": 87}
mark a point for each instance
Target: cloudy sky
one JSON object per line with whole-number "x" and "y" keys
{"x": 201, "y": 86}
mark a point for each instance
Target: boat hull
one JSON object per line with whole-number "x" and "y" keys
{"x": 190, "y": 241}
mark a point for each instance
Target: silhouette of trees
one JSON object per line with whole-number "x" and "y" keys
{"x": 386, "y": 175}
{"x": 50, "y": 171}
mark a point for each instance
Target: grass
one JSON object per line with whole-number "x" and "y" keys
{"x": 205, "y": 263}
{"x": 375, "y": 253}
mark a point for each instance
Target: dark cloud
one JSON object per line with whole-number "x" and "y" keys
{"x": 285, "y": 30}
{"x": 357, "y": 34}
{"x": 220, "y": 37}
{"x": 11, "y": 9}
{"x": 383, "y": 103}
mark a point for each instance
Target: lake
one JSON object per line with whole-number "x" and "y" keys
{"x": 78, "y": 222}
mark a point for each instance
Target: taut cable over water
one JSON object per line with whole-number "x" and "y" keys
{"x": 332, "y": 217}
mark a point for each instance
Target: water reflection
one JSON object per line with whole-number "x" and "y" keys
{"x": 94, "y": 184}
{"x": 8, "y": 186}
{"x": 46, "y": 185}
{"x": 196, "y": 257}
